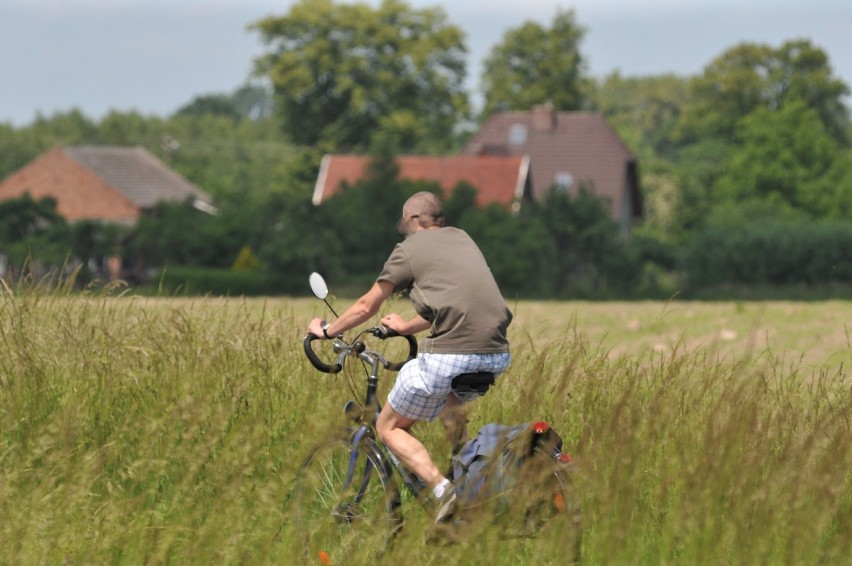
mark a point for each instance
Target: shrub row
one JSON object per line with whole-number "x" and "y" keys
{"x": 178, "y": 280}
{"x": 766, "y": 254}
{"x": 769, "y": 253}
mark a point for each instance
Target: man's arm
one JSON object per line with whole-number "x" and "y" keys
{"x": 358, "y": 313}
{"x": 405, "y": 327}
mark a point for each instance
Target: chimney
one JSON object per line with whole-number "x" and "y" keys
{"x": 543, "y": 118}
{"x": 476, "y": 148}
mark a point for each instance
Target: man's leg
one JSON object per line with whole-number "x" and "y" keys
{"x": 393, "y": 430}
{"x": 454, "y": 418}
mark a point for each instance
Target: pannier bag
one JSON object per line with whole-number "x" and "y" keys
{"x": 490, "y": 463}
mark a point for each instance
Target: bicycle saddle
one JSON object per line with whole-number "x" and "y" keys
{"x": 472, "y": 383}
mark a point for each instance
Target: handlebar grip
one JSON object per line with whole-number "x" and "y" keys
{"x": 383, "y": 332}
{"x": 314, "y": 359}
{"x": 412, "y": 351}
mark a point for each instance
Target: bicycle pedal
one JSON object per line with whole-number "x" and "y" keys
{"x": 446, "y": 534}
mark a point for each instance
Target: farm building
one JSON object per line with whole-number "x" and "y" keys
{"x": 567, "y": 150}
{"x": 113, "y": 185}
{"x": 109, "y": 184}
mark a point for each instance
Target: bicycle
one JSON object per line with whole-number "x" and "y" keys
{"x": 351, "y": 484}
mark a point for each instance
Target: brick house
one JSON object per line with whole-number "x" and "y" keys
{"x": 502, "y": 179}
{"x": 109, "y": 184}
{"x": 566, "y": 150}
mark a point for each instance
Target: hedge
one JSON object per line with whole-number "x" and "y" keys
{"x": 770, "y": 253}
{"x": 178, "y": 280}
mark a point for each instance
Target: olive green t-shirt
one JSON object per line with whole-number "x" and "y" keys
{"x": 451, "y": 286}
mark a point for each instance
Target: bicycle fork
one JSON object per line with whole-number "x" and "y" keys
{"x": 347, "y": 509}
{"x": 358, "y": 475}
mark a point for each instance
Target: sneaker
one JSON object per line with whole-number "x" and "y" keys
{"x": 446, "y": 505}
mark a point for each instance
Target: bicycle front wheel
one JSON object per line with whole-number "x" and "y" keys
{"x": 345, "y": 500}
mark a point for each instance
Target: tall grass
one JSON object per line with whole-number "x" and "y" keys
{"x": 169, "y": 430}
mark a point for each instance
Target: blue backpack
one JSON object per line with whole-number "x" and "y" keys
{"x": 488, "y": 464}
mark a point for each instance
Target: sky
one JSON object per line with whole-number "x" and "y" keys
{"x": 155, "y": 56}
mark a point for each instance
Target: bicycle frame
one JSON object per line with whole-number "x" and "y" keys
{"x": 364, "y": 437}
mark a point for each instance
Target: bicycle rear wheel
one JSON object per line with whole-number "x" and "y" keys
{"x": 544, "y": 492}
{"x": 345, "y": 500}
{"x": 530, "y": 490}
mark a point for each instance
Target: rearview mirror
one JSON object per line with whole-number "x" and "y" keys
{"x": 318, "y": 286}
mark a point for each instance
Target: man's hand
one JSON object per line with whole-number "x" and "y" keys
{"x": 395, "y": 323}
{"x": 315, "y": 328}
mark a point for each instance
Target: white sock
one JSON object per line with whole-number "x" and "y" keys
{"x": 438, "y": 490}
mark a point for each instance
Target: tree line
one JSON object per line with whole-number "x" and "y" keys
{"x": 754, "y": 150}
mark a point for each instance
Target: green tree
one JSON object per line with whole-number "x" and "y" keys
{"x": 343, "y": 72}
{"x": 747, "y": 84}
{"x": 129, "y": 129}
{"x": 535, "y": 64}
{"x": 233, "y": 161}
{"x": 91, "y": 239}
{"x": 750, "y": 76}
{"x": 32, "y": 230}
{"x": 24, "y": 217}
{"x": 65, "y": 128}
{"x": 177, "y": 233}
{"x": 517, "y": 248}
{"x": 462, "y": 201}
{"x": 786, "y": 157}
{"x": 363, "y": 216}
{"x": 214, "y": 104}
{"x": 646, "y": 111}
{"x": 696, "y": 170}
{"x": 589, "y": 252}
{"x": 298, "y": 239}
{"x": 17, "y": 147}
{"x": 253, "y": 101}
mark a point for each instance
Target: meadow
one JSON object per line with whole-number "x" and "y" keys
{"x": 168, "y": 430}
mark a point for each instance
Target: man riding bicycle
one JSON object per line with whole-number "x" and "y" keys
{"x": 456, "y": 297}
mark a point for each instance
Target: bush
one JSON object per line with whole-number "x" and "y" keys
{"x": 770, "y": 253}
{"x": 226, "y": 282}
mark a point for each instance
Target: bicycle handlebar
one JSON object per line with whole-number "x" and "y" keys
{"x": 314, "y": 359}
{"x": 357, "y": 347}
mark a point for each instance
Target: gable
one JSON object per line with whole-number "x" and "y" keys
{"x": 576, "y": 148}
{"x": 500, "y": 179}
{"x": 79, "y": 193}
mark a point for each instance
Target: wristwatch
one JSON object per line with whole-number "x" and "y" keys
{"x": 324, "y": 327}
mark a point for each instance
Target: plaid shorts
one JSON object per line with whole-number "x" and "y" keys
{"x": 423, "y": 384}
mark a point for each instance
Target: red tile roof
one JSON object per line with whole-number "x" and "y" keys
{"x": 500, "y": 179}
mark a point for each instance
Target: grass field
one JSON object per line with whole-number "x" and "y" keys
{"x": 140, "y": 430}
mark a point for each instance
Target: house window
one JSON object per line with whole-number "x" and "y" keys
{"x": 517, "y": 134}
{"x": 564, "y": 182}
